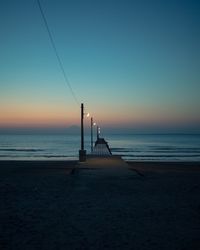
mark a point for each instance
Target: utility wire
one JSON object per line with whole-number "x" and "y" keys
{"x": 56, "y": 53}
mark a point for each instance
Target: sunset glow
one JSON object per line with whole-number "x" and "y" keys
{"x": 131, "y": 63}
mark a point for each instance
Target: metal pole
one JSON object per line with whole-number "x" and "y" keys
{"x": 82, "y": 152}
{"x": 97, "y": 133}
{"x": 91, "y": 134}
{"x": 82, "y": 128}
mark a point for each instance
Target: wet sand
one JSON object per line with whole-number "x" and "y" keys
{"x": 57, "y": 205}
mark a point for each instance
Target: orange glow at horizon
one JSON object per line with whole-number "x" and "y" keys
{"x": 58, "y": 115}
{"x": 37, "y": 115}
{"x": 144, "y": 116}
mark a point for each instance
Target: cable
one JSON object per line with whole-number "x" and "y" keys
{"x": 56, "y": 53}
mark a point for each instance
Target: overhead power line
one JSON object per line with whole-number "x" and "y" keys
{"x": 56, "y": 53}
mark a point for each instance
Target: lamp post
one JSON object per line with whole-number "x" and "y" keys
{"x": 92, "y": 124}
{"x": 98, "y": 132}
{"x": 91, "y": 134}
{"x": 82, "y": 127}
{"x": 82, "y": 152}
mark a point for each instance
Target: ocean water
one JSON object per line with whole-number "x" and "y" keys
{"x": 134, "y": 147}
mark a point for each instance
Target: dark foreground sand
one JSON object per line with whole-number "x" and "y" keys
{"x": 48, "y": 205}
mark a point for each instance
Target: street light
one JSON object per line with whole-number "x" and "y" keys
{"x": 92, "y": 124}
{"x": 82, "y": 151}
{"x": 98, "y": 132}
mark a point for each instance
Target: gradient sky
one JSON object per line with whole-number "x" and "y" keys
{"x": 133, "y": 63}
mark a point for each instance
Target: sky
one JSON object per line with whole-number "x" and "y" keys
{"x": 132, "y": 63}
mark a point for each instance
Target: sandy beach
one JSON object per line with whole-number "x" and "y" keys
{"x": 58, "y": 205}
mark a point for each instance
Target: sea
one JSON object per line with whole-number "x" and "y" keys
{"x": 132, "y": 147}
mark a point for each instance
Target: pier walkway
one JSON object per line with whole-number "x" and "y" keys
{"x": 103, "y": 162}
{"x": 105, "y": 167}
{"x": 101, "y": 158}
